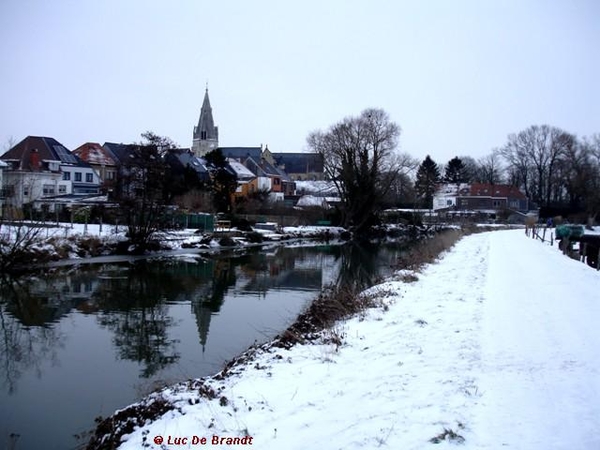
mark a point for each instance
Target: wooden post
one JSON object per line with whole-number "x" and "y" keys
{"x": 583, "y": 252}
{"x": 544, "y": 235}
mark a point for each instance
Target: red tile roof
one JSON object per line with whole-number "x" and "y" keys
{"x": 496, "y": 190}
{"x": 94, "y": 153}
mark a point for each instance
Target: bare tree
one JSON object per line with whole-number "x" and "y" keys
{"x": 17, "y": 240}
{"x": 533, "y": 154}
{"x": 359, "y": 155}
{"x": 490, "y": 169}
{"x": 8, "y": 144}
{"x": 471, "y": 168}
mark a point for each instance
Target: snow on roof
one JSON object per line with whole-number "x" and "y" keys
{"x": 240, "y": 170}
{"x": 310, "y": 200}
{"x": 316, "y": 187}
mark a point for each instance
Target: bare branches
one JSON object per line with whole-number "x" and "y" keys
{"x": 359, "y": 158}
{"x": 533, "y": 155}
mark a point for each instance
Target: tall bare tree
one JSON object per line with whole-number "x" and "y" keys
{"x": 534, "y": 155}
{"x": 489, "y": 168}
{"x": 360, "y": 158}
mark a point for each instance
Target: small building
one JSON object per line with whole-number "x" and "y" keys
{"x": 101, "y": 160}
{"x": 479, "y": 197}
{"x": 246, "y": 180}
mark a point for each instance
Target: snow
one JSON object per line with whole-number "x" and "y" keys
{"x": 497, "y": 343}
{"x": 319, "y": 187}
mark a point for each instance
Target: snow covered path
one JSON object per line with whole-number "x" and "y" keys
{"x": 497, "y": 345}
{"x": 540, "y": 383}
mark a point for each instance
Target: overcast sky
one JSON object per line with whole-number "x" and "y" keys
{"x": 457, "y": 76}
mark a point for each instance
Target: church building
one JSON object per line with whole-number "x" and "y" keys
{"x": 206, "y": 134}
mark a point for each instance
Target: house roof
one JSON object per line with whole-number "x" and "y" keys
{"x": 265, "y": 169}
{"x": 241, "y": 153}
{"x": 299, "y": 162}
{"x": 94, "y": 153}
{"x": 240, "y": 170}
{"x": 496, "y": 190}
{"x": 46, "y": 148}
{"x": 119, "y": 152}
{"x": 184, "y": 157}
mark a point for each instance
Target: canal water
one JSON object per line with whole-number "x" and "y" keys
{"x": 81, "y": 342}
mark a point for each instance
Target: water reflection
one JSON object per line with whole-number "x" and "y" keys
{"x": 133, "y": 300}
{"x": 26, "y": 342}
{"x": 100, "y": 330}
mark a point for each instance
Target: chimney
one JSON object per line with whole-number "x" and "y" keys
{"x": 34, "y": 159}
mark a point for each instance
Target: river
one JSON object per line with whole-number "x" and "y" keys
{"x": 80, "y": 342}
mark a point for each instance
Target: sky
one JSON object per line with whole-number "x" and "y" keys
{"x": 457, "y": 76}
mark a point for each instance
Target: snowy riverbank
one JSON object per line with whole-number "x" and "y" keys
{"x": 494, "y": 346}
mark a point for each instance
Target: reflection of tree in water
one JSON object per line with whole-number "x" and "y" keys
{"x": 133, "y": 307}
{"x": 141, "y": 335}
{"x": 359, "y": 269}
{"x": 23, "y": 347}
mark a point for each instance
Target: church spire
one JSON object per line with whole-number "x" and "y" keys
{"x": 206, "y": 134}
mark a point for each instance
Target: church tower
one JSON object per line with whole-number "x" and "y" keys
{"x": 206, "y": 135}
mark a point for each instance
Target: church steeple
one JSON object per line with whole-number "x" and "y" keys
{"x": 206, "y": 135}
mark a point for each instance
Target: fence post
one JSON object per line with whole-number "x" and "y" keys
{"x": 566, "y": 244}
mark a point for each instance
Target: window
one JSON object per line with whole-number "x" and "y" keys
{"x": 496, "y": 203}
{"x": 89, "y": 178}
{"x": 448, "y": 202}
{"x": 26, "y": 191}
{"x": 48, "y": 189}
{"x": 62, "y": 189}
{"x": 66, "y": 176}
{"x": 111, "y": 175}
{"x": 203, "y": 135}
{"x": 77, "y": 176}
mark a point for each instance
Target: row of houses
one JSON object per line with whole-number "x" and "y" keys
{"x": 40, "y": 170}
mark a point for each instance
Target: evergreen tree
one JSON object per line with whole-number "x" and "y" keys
{"x": 428, "y": 176}
{"x": 456, "y": 172}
